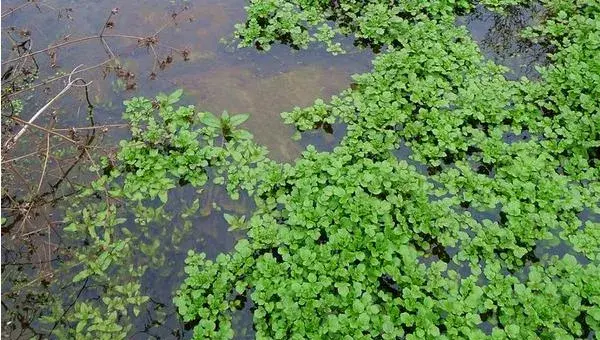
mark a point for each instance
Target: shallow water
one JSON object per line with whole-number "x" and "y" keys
{"x": 498, "y": 35}
{"x": 216, "y": 77}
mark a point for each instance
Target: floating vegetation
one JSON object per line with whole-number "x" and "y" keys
{"x": 357, "y": 244}
{"x": 499, "y": 237}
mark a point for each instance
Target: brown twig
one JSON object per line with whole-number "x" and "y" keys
{"x": 20, "y": 157}
{"x": 126, "y": 36}
{"x": 49, "y": 48}
{"x": 70, "y": 83}
{"x": 93, "y": 127}
{"x": 12, "y": 10}
{"x": 114, "y": 11}
{"x": 44, "y": 129}
{"x": 101, "y": 34}
{"x": 50, "y": 80}
{"x": 45, "y": 162}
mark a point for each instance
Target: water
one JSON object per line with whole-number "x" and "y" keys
{"x": 216, "y": 77}
{"x": 498, "y": 36}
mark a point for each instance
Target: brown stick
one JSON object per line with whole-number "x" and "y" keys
{"x": 50, "y": 47}
{"x": 45, "y": 162}
{"x": 93, "y": 127}
{"x": 20, "y": 157}
{"x": 44, "y": 129}
{"x": 9, "y": 144}
{"x": 85, "y": 39}
{"x": 48, "y": 81}
{"x": 12, "y": 10}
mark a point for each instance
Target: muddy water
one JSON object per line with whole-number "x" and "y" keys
{"x": 216, "y": 77}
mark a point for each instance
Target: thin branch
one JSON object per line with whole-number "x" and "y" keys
{"x": 48, "y": 81}
{"x": 44, "y": 129}
{"x": 156, "y": 59}
{"x": 25, "y": 218}
{"x": 46, "y": 5}
{"x": 85, "y": 39}
{"x": 12, "y": 10}
{"x": 141, "y": 39}
{"x": 107, "y": 48}
{"x": 45, "y": 163}
{"x": 20, "y": 157}
{"x": 101, "y": 34}
{"x": 13, "y": 140}
{"x": 93, "y": 127}
{"x": 50, "y": 47}
{"x": 34, "y": 232}
{"x": 110, "y": 15}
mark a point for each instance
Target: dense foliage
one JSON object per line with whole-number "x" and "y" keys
{"x": 497, "y": 237}
{"x": 489, "y": 228}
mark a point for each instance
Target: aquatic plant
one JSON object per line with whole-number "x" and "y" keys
{"x": 169, "y": 147}
{"x": 489, "y": 228}
{"x": 358, "y": 244}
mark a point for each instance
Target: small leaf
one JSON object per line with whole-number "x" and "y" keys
{"x": 163, "y": 195}
{"x": 238, "y": 119}
{"x": 241, "y": 134}
{"x": 81, "y": 275}
{"x": 174, "y": 97}
{"x": 210, "y": 120}
{"x": 229, "y": 218}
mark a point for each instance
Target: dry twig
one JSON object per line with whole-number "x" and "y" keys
{"x": 71, "y": 82}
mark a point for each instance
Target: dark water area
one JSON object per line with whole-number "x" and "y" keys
{"x": 499, "y": 37}
{"x": 216, "y": 77}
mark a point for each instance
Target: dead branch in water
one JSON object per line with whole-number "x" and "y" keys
{"x": 53, "y": 79}
{"x": 71, "y": 82}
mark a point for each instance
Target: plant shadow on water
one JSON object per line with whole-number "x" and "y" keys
{"x": 178, "y": 229}
{"x": 498, "y": 36}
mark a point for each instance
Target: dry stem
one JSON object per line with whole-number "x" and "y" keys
{"x": 11, "y": 142}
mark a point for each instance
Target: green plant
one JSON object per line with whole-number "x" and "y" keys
{"x": 227, "y": 125}
{"x": 358, "y": 244}
{"x": 170, "y": 147}
{"x": 234, "y": 222}
{"x": 495, "y": 238}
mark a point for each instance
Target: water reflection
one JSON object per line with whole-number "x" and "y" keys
{"x": 498, "y": 36}
{"x": 240, "y": 90}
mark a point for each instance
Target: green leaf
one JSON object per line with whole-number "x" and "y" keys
{"x": 229, "y": 218}
{"x": 210, "y": 120}
{"x": 238, "y": 119}
{"x": 81, "y": 275}
{"x": 241, "y": 134}
{"x": 175, "y": 96}
{"x": 163, "y": 196}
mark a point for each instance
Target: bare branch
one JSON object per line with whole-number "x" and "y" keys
{"x": 9, "y": 144}
{"x": 48, "y": 81}
{"x": 45, "y": 163}
{"x": 12, "y": 10}
{"x": 44, "y": 129}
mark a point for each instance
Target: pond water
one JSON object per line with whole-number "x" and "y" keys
{"x": 216, "y": 77}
